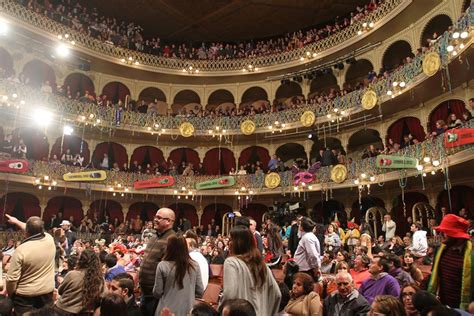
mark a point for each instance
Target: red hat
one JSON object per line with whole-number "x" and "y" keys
{"x": 454, "y": 226}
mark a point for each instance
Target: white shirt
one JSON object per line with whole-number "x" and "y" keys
{"x": 203, "y": 266}
{"x": 307, "y": 254}
{"x": 389, "y": 228}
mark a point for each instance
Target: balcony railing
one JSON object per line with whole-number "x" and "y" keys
{"x": 50, "y": 26}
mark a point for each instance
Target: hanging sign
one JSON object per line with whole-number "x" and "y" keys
{"x": 395, "y": 162}
{"x": 223, "y": 182}
{"x": 96, "y": 175}
{"x": 458, "y": 137}
{"x": 158, "y": 182}
{"x": 14, "y": 165}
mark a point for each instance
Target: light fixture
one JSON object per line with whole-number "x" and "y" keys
{"x": 450, "y": 48}
{"x": 3, "y": 28}
{"x": 130, "y": 61}
{"x": 42, "y": 117}
{"x": 433, "y": 172}
{"x": 427, "y": 159}
{"x": 436, "y": 163}
{"x": 191, "y": 70}
{"x": 419, "y": 167}
{"x": 67, "y": 130}
{"x": 62, "y": 50}
{"x": 250, "y": 68}
{"x": 456, "y": 35}
{"x": 464, "y": 34}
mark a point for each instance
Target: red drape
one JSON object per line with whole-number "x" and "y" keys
{"x": 219, "y": 161}
{"x": 30, "y": 204}
{"x": 36, "y": 142}
{"x": 412, "y": 125}
{"x": 461, "y": 196}
{"x": 116, "y": 91}
{"x": 146, "y": 210}
{"x": 214, "y": 211}
{"x": 112, "y": 208}
{"x": 184, "y": 154}
{"x": 156, "y": 155}
{"x": 120, "y": 153}
{"x": 255, "y": 153}
{"x": 255, "y": 211}
{"x": 411, "y": 198}
{"x": 6, "y": 61}
{"x": 367, "y": 202}
{"x": 68, "y": 205}
{"x": 74, "y": 143}
{"x": 79, "y": 83}
{"x": 442, "y": 111}
{"x": 37, "y": 72}
{"x": 184, "y": 210}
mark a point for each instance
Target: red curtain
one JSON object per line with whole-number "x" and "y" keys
{"x": 255, "y": 153}
{"x": 255, "y": 211}
{"x": 79, "y": 83}
{"x": 411, "y": 198}
{"x": 119, "y": 152}
{"x": 442, "y": 111}
{"x": 367, "y": 202}
{"x": 155, "y": 155}
{"x": 184, "y": 210}
{"x": 461, "y": 196}
{"x": 29, "y": 205}
{"x": 115, "y": 91}
{"x": 112, "y": 208}
{"x": 219, "y": 161}
{"x": 184, "y": 154}
{"x": 405, "y": 126}
{"x": 214, "y": 211}
{"x": 6, "y": 62}
{"x": 74, "y": 143}
{"x": 37, "y": 72}
{"x": 146, "y": 211}
{"x": 69, "y": 206}
{"x": 36, "y": 142}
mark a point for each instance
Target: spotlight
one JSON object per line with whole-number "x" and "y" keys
{"x": 436, "y": 163}
{"x": 450, "y": 48}
{"x": 464, "y": 34}
{"x": 427, "y": 159}
{"x": 62, "y": 50}
{"x": 3, "y": 28}
{"x": 67, "y": 130}
{"x": 419, "y": 167}
{"x": 456, "y": 35}
{"x": 42, "y": 117}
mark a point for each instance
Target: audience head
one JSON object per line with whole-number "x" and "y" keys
{"x": 379, "y": 265}
{"x": 393, "y": 260}
{"x": 342, "y": 266}
{"x": 362, "y": 261}
{"x": 110, "y": 260}
{"x": 34, "y": 226}
{"x": 203, "y": 309}
{"x": 344, "y": 283}
{"x": 387, "y": 305}
{"x": 303, "y": 284}
{"x": 164, "y": 219}
{"x": 237, "y": 307}
{"x": 122, "y": 284}
{"x": 177, "y": 252}
{"x": 113, "y": 304}
{"x": 306, "y": 224}
{"x": 406, "y": 295}
{"x": 424, "y": 301}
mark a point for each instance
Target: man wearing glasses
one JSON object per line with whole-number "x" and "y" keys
{"x": 155, "y": 249}
{"x": 346, "y": 300}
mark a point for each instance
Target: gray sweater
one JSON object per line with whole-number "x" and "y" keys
{"x": 179, "y": 301}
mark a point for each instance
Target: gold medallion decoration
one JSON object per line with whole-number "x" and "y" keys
{"x": 431, "y": 64}
{"x": 339, "y": 173}
{"x": 307, "y": 118}
{"x": 247, "y": 127}
{"x": 186, "y": 129}
{"x": 369, "y": 99}
{"x": 272, "y": 180}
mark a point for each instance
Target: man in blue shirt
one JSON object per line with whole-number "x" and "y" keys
{"x": 273, "y": 164}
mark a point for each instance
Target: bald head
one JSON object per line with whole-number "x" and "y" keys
{"x": 34, "y": 225}
{"x": 344, "y": 283}
{"x": 164, "y": 219}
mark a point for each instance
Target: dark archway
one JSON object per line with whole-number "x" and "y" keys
{"x": 253, "y": 154}
{"x": 147, "y": 155}
{"x": 37, "y": 144}
{"x": 322, "y": 82}
{"x": 220, "y": 96}
{"x": 69, "y": 206}
{"x": 444, "y": 109}
{"x": 214, "y": 211}
{"x": 186, "y": 155}
{"x": 21, "y": 205}
{"x": 115, "y": 152}
{"x": 79, "y": 83}
{"x": 439, "y": 24}
{"x": 146, "y": 211}
{"x": 255, "y": 211}
{"x": 325, "y": 212}
{"x": 360, "y": 140}
{"x": 219, "y": 161}
{"x": 461, "y": 197}
{"x": 405, "y": 126}
{"x": 322, "y": 143}
{"x": 184, "y": 210}
{"x": 6, "y": 63}
{"x": 358, "y": 210}
{"x": 358, "y": 72}
{"x": 287, "y": 90}
{"x": 398, "y": 213}
{"x": 102, "y": 208}
{"x": 254, "y": 94}
{"x": 37, "y": 72}
{"x": 115, "y": 91}
{"x": 152, "y": 93}
{"x": 76, "y": 144}
{"x": 396, "y": 54}
{"x": 291, "y": 152}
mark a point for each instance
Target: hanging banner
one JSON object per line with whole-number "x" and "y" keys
{"x": 97, "y": 175}
{"x": 458, "y": 137}
{"x": 158, "y": 182}
{"x": 395, "y": 162}
{"x": 223, "y": 182}
{"x": 14, "y": 165}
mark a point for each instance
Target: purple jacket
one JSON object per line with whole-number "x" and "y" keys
{"x": 384, "y": 285}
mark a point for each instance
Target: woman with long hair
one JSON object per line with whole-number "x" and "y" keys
{"x": 406, "y": 294}
{"x": 82, "y": 287}
{"x": 274, "y": 248}
{"x": 387, "y": 305}
{"x": 409, "y": 265}
{"x": 247, "y": 277}
{"x": 178, "y": 279}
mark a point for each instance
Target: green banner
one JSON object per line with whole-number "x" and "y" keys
{"x": 223, "y": 182}
{"x": 395, "y": 162}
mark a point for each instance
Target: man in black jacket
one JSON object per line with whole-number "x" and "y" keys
{"x": 122, "y": 284}
{"x": 294, "y": 239}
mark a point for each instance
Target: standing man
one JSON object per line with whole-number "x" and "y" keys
{"x": 154, "y": 252}
{"x": 30, "y": 279}
{"x": 69, "y": 234}
{"x": 419, "y": 247}
{"x": 389, "y": 227}
{"x": 308, "y": 253}
{"x": 256, "y": 234}
{"x": 294, "y": 238}
{"x": 273, "y": 164}
{"x": 451, "y": 276}
{"x": 122, "y": 284}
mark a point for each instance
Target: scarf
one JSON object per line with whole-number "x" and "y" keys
{"x": 467, "y": 286}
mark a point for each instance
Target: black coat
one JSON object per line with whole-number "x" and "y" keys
{"x": 355, "y": 305}
{"x": 293, "y": 240}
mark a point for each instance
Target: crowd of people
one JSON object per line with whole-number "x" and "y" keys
{"x": 89, "y": 21}
{"x": 167, "y": 267}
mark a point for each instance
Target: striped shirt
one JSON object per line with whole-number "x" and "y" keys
{"x": 450, "y": 276}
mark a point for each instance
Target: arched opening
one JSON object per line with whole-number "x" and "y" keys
{"x": 37, "y": 73}
{"x": 214, "y": 212}
{"x": 75, "y": 144}
{"x": 444, "y": 109}
{"x": 396, "y": 55}
{"x": 287, "y": 90}
{"x": 254, "y": 94}
{"x": 185, "y": 98}
{"x": 145, "y": 155}
{"x": 103, "y": 209}
{"x": 70, "y": 207}
{"x": 460, "y": 196}
{"x": 323, "y": 82}
{"x": 184, "y": 210}
{"x": 435, "y": 27}
{"x": 151, "y": 94}
{"x": 145, "y": 210}
{"x": 325, "y": 212}
{"x": 358, "y": 211}
{"x": 404, "y": 127}
{"x": 289, "y": 153}
{"x": 362, "y": 139}
{"x": 219, "y": 97}
{"x": 79, "y": 84}
{"x": 114, "y": 152}
{"x": 252, "y": 155}
{"x": 182, "y": 155}
{"x": 6, "y": 63}
{"x": 255, "y": 211}
{"x": 115, "y": 91}
{"x": 400, "y": 215}
{"x": 37, "y": 145}
{"x": 21, "y": 205}
{"x": 218, "y": 161}
{"x": 358, "y": 72}
{"x": 322, "y": 144}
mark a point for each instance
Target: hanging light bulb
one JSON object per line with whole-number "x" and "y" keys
{"x": 436, "y": 163}
{"x": 427, "y": 159}
{"x": 419, "y": 167}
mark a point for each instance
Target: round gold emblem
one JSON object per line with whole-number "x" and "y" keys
{"x": 186, "y": 129}
{"x": 369, "y": 99}
{"x": 339, "y": 173}
{"x": 272, "y": 180}
{"x": 431, "y": 64}
{"x": 247, "y": 127}
{"x": 307, "y": 118}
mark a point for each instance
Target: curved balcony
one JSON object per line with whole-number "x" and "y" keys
{"x": 384, "y": 13}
